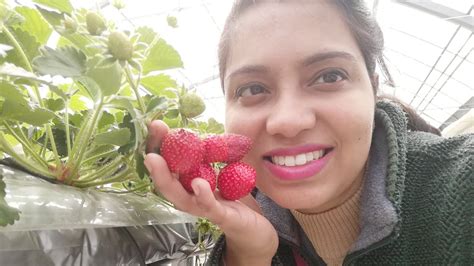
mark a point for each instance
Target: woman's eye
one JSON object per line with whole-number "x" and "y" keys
{"x": 330, "y": 77}
{"x": 250, "y": 90}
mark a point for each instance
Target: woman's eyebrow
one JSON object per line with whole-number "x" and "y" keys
{"x": 315, "y": 58}
{"x": 318, "y": 57}
{"x": 248, "y": 69}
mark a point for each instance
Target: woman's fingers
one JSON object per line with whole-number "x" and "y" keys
{"x": 156, "y": 131}
{"x": 207, "y": 203}
{"x": 168, "y": 185}
{"x": 204, "y": 202}
{"x": 251, "y": 203}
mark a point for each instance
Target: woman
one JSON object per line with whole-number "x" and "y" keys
{"x": 341, "y": 179}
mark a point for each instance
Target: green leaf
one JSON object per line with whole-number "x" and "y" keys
{"x": 65, "y": 61}
{"x": 8, "y": 215}
{"x": 130, "y": 120}
{"x": 77, "y": 119}
{"x": 162, "y": 56}
{"x": 157, "y": 104}
{"x": 108, "y": 78}
{"x": 11, "y": 92}
{"x": 18, "y": 72}
{"x": 140, "y": 166}
{"x": 214, "y": 127}
{"x": 172, "y": 113}
{"x": 8, "y": 16}
{"x": 77, "y": 104}
{"x": 34, "y": 24}
{"x": 28, "y": 44}
{"x": 107, "y": 119}
{"x": 119, "y": 116}
{"x": 60, "y": 5}
{"x": 128, "y": 124}
{"x": 53, "y": 18}
{"x": 91, "y": 87}
{"x": 116, "y": 137}
{"x": 59, "y": 139}
{"x": 55, "y": 104}
{"x": 23, "y": 113}
{"x": 172, "y": 122}
{"x": 80, "y": 41}
{"x": 157, "y": 84}
{"x": 147, "y": 35}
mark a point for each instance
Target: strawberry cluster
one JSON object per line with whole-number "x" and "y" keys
{"x": 190, "y": 157}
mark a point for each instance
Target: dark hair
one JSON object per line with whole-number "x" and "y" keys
{"x": 364, "y": 28}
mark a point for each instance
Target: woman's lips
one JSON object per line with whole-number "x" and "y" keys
{"x": 297, "y": 172}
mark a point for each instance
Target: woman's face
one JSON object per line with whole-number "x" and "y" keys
{"x": 297, "y": 84}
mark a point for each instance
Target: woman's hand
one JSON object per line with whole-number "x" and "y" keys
{"x": 250, "y": 238}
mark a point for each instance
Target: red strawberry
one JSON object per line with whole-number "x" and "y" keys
{"x": 236, "y": 180}
{"x": 205, "y": 171}
{"x": 226, "y": 148}
{"x": 182, "y": 150}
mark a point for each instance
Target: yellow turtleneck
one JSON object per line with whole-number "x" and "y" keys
{"x": 333, "y": 232}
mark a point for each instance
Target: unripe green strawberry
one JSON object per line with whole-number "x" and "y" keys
{"x": 191, "y": 105}
{"x": 172, "y": 21}
{"x": 120, "y": 45}
{"x": 236, "y": 180}
{"x": 205, "y": 171}
{"x": 226, "y": 148}
{"x": 119, "y": 4}
{"x": 70, "y": 25}
{"x": 182, "y": 150}
{"x": 95, "y": 23}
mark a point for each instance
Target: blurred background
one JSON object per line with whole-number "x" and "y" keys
{"x": 428, "y": 49}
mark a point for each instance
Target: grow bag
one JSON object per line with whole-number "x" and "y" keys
{"x": 63, "y": 225}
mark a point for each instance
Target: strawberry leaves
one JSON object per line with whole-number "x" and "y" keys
{"x": 8, "y": 215}
{"x": 65, "y": 61}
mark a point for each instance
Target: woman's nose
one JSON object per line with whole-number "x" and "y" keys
{"x": 290, "y": 116}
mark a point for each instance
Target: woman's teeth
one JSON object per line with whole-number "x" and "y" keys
{"x": 299, "y": 159}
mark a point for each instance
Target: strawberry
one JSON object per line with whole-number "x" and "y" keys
{"x": 182, "y": 150}
{"x": 205, "y": 171}
{"x": 226, "y": 148}
{"x": 120, "y": 45}
{"x": 95, "y": 23}
{"x": 191, "y": 105}
{"x": 236, "y": 180}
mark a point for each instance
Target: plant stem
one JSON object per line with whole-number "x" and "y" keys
{"x": 117, "y": 191}
{"x": 106, "y": 170}
{"x": 68, "y": 132}
{"x": 83, "y": 138}
{"x": 135, "y": 88}
{"x": 26, "y": 145}
{"x": 5, "y": 146}
{"x": 45, "y": 144}
{"x": 98, "y": 156}
{"x": 124, "y": 175}
{"x": 23, "y": 56}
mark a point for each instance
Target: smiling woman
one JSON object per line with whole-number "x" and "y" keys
{"x": 342, "y": 177}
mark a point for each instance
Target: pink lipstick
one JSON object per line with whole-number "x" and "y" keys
{"x": 296, "y": 172}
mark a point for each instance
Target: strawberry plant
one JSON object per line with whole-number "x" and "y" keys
{"x": 77, "y": 93}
